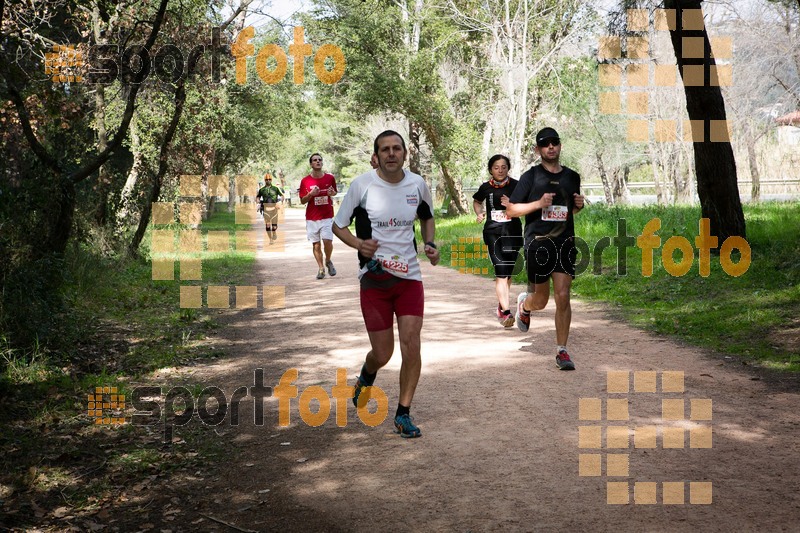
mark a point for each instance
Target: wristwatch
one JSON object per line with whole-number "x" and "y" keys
{"x": 431, "y": 244}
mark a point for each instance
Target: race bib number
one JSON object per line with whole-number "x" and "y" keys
{"x": 394, "y": 264}
{"x": 320, "y": 200}
{"x": 500, "y": 216}
{"x": 555, "y": 213}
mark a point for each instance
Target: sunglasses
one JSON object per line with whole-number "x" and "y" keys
{"x": 313, "y": 160}
{"x": 543, "y": 143}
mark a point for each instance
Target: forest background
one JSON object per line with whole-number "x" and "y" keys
{"x": 85, "y": 160}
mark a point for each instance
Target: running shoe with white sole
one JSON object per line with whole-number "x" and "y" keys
{"x": 523, "y": 320}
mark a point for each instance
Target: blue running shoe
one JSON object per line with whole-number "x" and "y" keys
{"x": 405, "y": 426}
{"x": 361, "y": 385}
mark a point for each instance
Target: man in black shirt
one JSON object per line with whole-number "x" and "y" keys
{"x": 549, "y": 196}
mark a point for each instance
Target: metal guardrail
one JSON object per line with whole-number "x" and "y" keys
{"x": 652, "y": 184}
{"x": 469, "y": 191}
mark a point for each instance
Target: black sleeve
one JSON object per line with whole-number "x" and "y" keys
{"x": 424, "y": 211}
{"x": 576, "y": 187}
{"x": 480, "y": 194}
{"x": 523, "y": 189}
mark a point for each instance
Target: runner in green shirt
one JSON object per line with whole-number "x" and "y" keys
{"x": 270, "y": 198}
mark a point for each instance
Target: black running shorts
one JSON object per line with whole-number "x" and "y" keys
{"x": 548, "y": 255}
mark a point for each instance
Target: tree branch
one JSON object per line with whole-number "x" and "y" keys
{"x": 169, "y": 134}
{"x": 239, "y": 9}
{"x": 789, "y": 90}
{"x": 30, "y": 136}
{"x": 88, "y": 169}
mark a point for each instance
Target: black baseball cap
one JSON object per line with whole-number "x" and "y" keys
{"x": 546, "y": 133}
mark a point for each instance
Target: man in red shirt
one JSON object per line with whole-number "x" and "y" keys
{"x": 316, "y": 192}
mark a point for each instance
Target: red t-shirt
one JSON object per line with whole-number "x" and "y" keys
{"x": 320, "y": 207}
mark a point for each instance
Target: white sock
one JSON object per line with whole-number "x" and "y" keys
{"x": 560, "y": 348}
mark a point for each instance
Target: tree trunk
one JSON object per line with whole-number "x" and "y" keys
{"x": 125, "y": 196}
{"x": 657, "y": 181}
{"x": 207, "y": 202}
{"x": 601, "y": 169}
{"x": 714, "y": 161}
{"x": 169, "y": 134}
{"x": 413, "y": 147}
{"x": 458, "y": 205}
{"x": 232, "y": 198}
{"x": 755, "y": 177}
{"x": 487, "y": 141}
{"x": 61, "y": 225}
{"x": 621, "y": 192}
{"x": 103, "y": 178}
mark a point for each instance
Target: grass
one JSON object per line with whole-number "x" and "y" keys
{"x": 754, "y": 315}
{"x": 119, "y": 325}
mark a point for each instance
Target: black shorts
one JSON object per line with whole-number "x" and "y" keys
{"x": 545, "y": 256}
{"x": 503, "y": 251}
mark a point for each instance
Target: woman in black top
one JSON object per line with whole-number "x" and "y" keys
{"x": 502, "y": 235}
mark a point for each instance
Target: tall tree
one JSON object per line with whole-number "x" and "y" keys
{"x": 395, "y": 52}
{"x": 520, "y": 40}
{"x": 715, "y": 164}
{"x": 179, "y": 103}
{"x": 66, "y": 173}
{"x": 49, "y": 155}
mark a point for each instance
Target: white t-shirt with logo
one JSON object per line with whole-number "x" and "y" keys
{"x": 386, "y": 211}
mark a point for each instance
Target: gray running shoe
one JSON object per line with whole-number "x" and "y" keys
{"x": 523, "y": 320}
{"x": 563, "y": 361}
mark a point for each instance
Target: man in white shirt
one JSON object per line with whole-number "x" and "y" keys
{"x": 384, "y": 203}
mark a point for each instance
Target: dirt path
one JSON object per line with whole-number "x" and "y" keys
{"x": 500, "y": 446}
